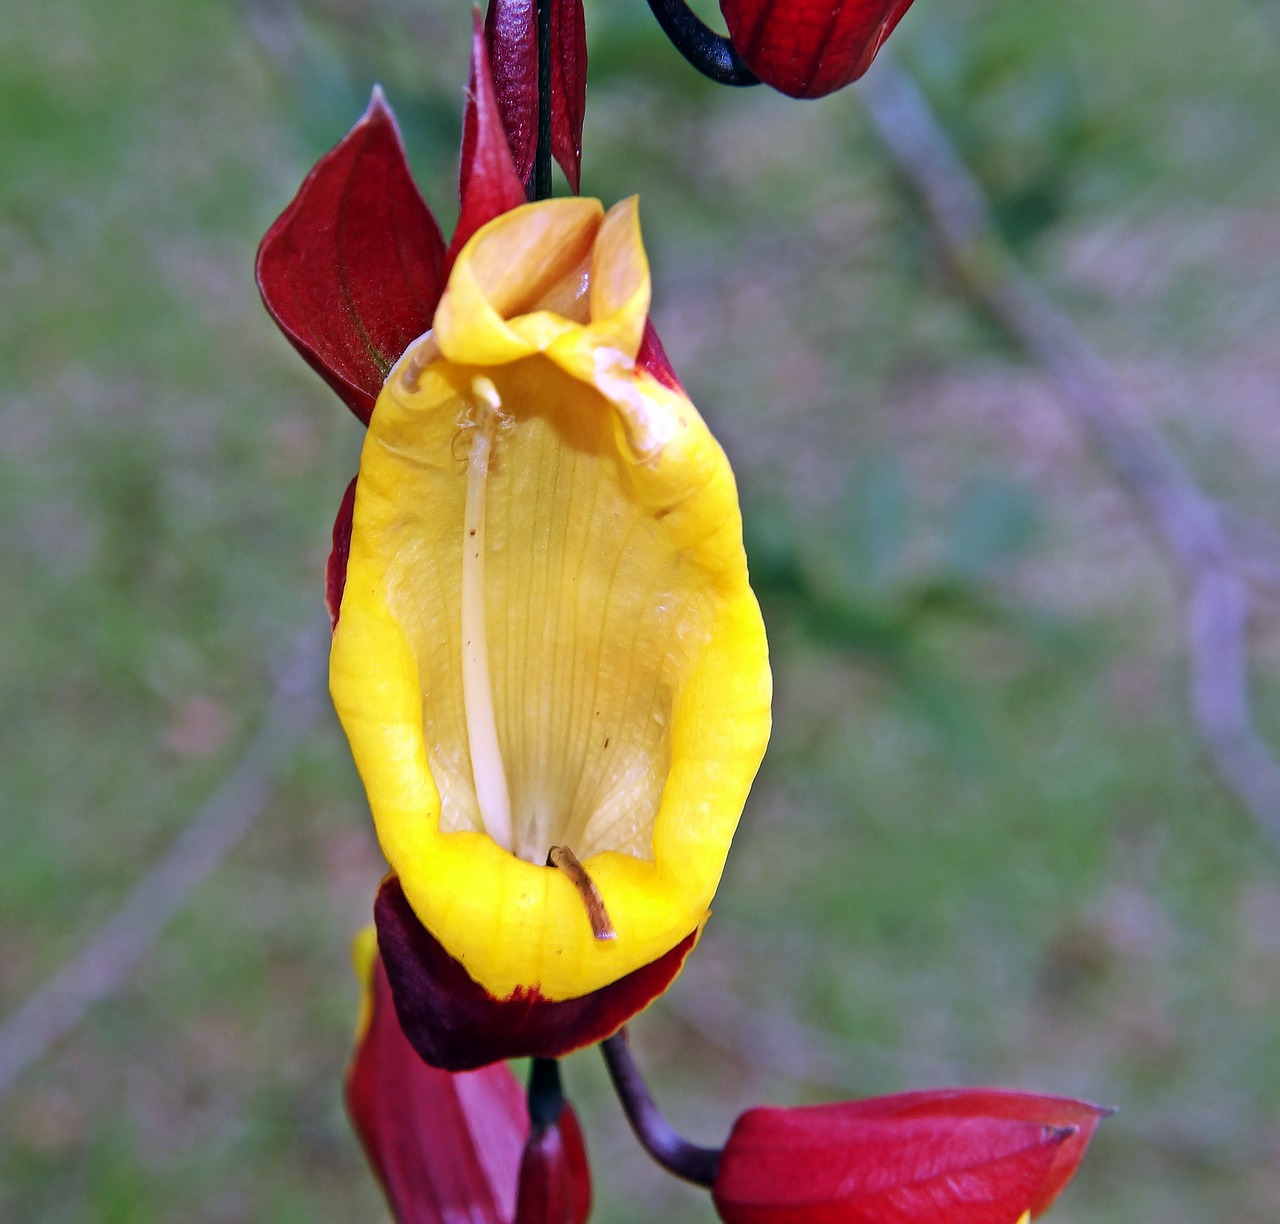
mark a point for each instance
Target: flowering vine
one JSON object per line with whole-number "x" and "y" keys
{"x": 551, "y": 667}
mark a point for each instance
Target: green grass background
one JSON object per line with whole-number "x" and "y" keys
{"x": 984, "y": 846}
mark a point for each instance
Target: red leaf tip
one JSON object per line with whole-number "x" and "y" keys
{"x": 351, "y": 270}
{"x": 377, "y": 104}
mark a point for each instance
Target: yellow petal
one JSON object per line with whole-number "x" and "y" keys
{"x": 625, "y": 674}
{"x": 364, "y": 956}
{"x": 533, "y": 258}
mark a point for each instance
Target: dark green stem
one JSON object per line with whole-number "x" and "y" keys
{"x": 546, "y": 1096}
{"x": 542, "y": 155}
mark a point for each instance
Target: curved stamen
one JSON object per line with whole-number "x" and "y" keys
{"x": 565, "y": 859}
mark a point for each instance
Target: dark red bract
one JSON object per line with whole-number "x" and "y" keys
{"x": 809, "y": 48}
{"x": 555, "y": 1183}
{"x": 353, "y": 268}
{"x": 451, "y": 1148}
{"x": 963, "y": 1156}
{"x": 445, "y": 1147}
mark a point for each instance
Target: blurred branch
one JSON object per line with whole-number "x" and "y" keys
{"x": 104, "y": 964}
{"x": 1217, "y": 562}
{"x": 777, "y": 1041}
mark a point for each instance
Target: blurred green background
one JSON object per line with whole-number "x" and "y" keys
{"x": 984, "y": 847}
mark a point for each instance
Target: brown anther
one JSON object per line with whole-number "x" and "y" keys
{"x": 565, "y": 859}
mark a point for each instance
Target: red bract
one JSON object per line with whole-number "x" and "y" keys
{"x": 809, "y": 48}
{"x": 453, "y": 1023}
{"x": 488, "y": 184}
{"x": 458, "y": 1148}
{"x": 555, "y": 1183}
{"x": 353, "y": 268}
{"x": 446, "y": 1148}
{"x": 964, "y": 1156}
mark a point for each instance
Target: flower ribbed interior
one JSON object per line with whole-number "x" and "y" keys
{"x": 592, "y": 616}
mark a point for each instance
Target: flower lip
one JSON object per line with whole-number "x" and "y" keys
{"x": 455, "y": 1024}
{"x": 628, "y": 679}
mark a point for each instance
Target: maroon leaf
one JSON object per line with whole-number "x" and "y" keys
{"x": 967, "y": 1156}
{"x": 568, "y": 86}
{"x": 511, "y": 31}
{"x": 335, "y": 570}
{"x": 456, "y": 1024}
{"x": 808, "y": 48}
{"x": 555, "y": 1182}
{"x": 446, "y": 1148}
{"x": 487, "y": 179}
{"x": 351, "y": 270}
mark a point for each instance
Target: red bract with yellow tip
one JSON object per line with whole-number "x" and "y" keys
{"x": 959, "y": 1155}
{"x": 809, "y": 48}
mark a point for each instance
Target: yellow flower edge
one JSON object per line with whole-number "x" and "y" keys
{"x": 364, "y": 959}
{"x": 620, "y": 618}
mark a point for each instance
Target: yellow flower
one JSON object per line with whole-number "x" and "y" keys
{"x": 547, "y": 637}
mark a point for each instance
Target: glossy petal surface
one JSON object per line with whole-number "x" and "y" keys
{"x": 446, "y": 1148}
{"x": 966, "y": 1156}
{"x": 628, "y": 675}
{"x": 352, "y": 269}
{"x": 808, "y": 48}
{"x": 456, "y": 1024}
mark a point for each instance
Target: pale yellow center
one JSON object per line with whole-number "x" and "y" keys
{"x": 547, "y": 622}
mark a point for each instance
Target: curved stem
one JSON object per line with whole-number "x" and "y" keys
{"x": 675, "y": 1154}
{"x": 710, "y": 53}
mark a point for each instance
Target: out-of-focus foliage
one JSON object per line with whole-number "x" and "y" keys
{"x": 983, "y": 848}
